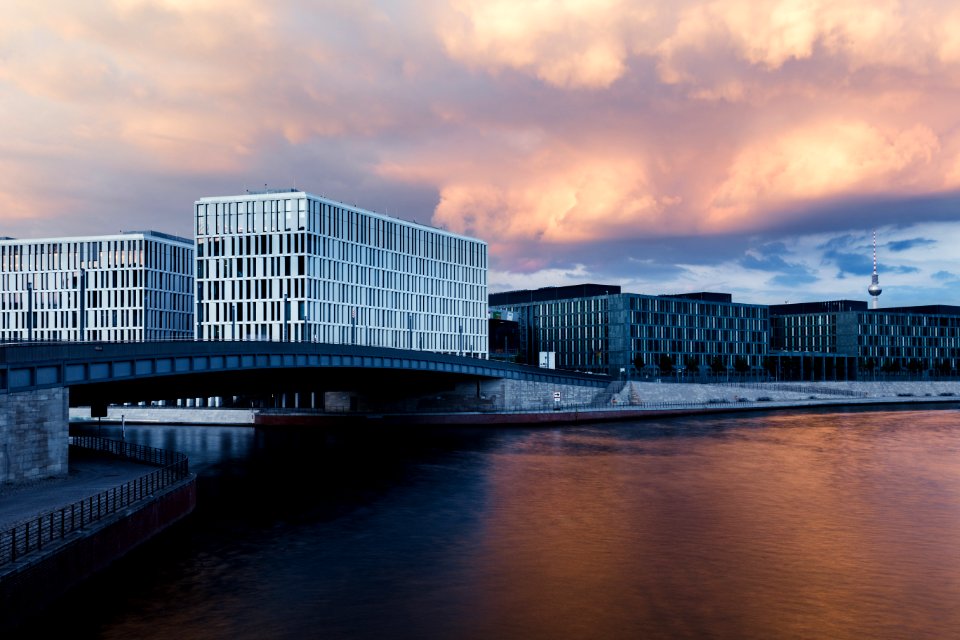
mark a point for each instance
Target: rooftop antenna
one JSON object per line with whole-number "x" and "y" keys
{"x": 874, "y": 288}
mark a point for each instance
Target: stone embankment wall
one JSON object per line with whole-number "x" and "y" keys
{"x": 168, "y": 415}
{"x": 651, "y": 393}
{"x": 516, "y": 395}
{"x": 36, "y": 581}
{"x": 33, "y": 435}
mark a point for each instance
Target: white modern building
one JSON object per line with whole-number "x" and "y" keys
{"x": 132, "y": 286}
{"x": 289, "y": 265}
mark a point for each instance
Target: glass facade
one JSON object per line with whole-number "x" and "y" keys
{"x": 901, "y": 338}
{"x": 288, "y": 265}
{"x": 607, "y": 333}
{"x": 127, "y": 287}
{"x": 692, "y": 330}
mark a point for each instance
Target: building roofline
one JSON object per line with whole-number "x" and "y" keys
{"x": 271, "y": 194}
{"x": 122, "y": 235}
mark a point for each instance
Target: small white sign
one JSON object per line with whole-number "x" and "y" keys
{"x": 556, "y": 396}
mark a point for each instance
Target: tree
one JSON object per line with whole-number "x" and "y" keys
{"x": 869, "y": 365}
{"x": 666, "y": 364}
{"x": 891, "y": 366}
{"x": 717, "y": 365}
{"x": 692, "y": 365}
{"x": 769, "y": 365}
{"x": 638, "y": 363}
{"x": 915, "y": 367}
{"x": 741, "y": 365}
{"x": 943, "y": 368}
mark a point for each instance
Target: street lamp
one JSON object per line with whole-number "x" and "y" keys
{"x": 30, "y": 311}
{"x": 83, "y": 302}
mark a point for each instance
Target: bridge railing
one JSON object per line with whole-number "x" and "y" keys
{"x": 52, "y": 526}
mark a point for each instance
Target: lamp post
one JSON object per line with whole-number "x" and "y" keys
{"x": 83, "y": 303}
{"x": 30, "y": 311}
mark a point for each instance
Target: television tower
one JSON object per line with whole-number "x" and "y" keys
{"x": 874, "y": 288}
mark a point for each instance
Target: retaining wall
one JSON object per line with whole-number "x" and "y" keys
{"x": 172, "y": 415}
{"x": 42, "y": 577}
{"x": 33, "y": 435}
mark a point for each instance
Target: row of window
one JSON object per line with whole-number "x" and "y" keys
{"x": 692, "y": 308}
{"x": 51, "y": 256}
{"x": 303, "y": 212}
{"x": 323, "y": 260}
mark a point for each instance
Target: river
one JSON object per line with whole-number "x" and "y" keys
{"x": 807, "y": 524}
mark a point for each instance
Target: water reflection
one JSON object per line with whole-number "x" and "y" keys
{"x": 801, "y": 525}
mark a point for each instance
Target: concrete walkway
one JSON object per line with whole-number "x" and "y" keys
{"x": 89, "y": 474}
{"x": 786, "y": 393}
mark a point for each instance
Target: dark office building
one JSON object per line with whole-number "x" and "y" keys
{"x": 504, "y": 332}
{"x": 920, "y": 339}
{"x": 597, "y": 328}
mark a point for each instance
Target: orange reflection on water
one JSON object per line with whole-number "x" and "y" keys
{"x": 804, "y": 525}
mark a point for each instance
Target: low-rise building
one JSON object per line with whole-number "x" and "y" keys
{"x": 894, "y": 339}
{"x": 597, "y": 328}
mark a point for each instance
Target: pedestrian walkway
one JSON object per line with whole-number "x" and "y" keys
{"x": 88, "y": 475}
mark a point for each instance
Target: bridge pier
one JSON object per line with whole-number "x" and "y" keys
{"x": 34, "y": 434}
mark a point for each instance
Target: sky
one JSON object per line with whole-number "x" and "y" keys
{"x": 672, "y": 146}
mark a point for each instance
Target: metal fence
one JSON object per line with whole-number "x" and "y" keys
{"x": 47, "y": 528}
{"x": 801, "y": 388}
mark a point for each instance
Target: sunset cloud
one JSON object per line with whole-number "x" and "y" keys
{"x": 558, "y": 198}
{"x": 821, "y": 160}
{"x": 605, "y": 139}
{"x": 573, "y": 44}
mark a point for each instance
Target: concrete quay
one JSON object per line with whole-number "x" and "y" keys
{"x": 641, "y": 400}
{"x": 537, "y": 404}
{"x": 33, "y": 580}
{"x": 168, "y": 415}
{"x": 788, "y": 393}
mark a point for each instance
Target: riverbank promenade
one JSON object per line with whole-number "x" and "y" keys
{"x": 89, "y": 475}
{"x": 786, "y": 394}
{"x": 57, "y": 532}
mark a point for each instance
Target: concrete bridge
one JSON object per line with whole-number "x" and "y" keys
{"x": 39, "y": 381}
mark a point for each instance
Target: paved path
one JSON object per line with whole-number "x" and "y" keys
{"x": 89, "y": 475}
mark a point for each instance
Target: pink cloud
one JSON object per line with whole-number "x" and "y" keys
{"x": 523, "y": 122}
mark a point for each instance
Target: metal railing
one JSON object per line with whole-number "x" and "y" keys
{"x": 49, "y": 527}
{"x": 801, "y": 388}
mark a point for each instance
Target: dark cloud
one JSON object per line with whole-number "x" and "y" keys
{"x": 766, "y": 263}
{"x": 911, "y": 243}
{"x": 837, "y": 252}
{"x": 944, "y": 275}
{"x": 800, "y": 277}
{"x": 902, "y": 269}
{"x": 771, "y": 259}
{"x": 858, "y": 212}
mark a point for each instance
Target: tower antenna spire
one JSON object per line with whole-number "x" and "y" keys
{"x": 874, "y": 288}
